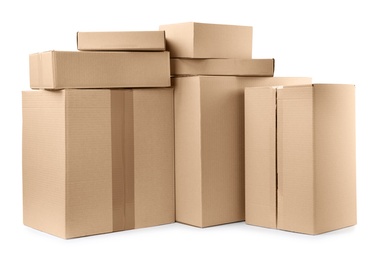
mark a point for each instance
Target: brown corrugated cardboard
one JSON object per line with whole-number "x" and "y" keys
{"x": 226, "y": 67}
{"x": 97, "y": 161}
{"x": 310, "y": 158}
{"x": 121, "y": 41}
{"x": 209, "y": 146}
{"x": 202, "y": 40}
{"x": 63, "y": 69}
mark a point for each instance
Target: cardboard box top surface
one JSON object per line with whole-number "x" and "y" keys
{"x": 122, "y": 40}
{"x": 313, "y": 85}
{"x": 202, "y": 40}
{"x": 204, "y": 24}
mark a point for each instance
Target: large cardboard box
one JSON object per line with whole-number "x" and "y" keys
{"x": 226, "y": 67}
{"x": 121, "y": 41}
{"x": 203, "y": 40}
{"x": 97, "y": 161}
{"x": 209, "y": 146}
{"x": 300, "y": 157}
{"x": 67, "y": 69}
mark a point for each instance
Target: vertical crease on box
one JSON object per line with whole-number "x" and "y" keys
{"x": 276, "y": 157}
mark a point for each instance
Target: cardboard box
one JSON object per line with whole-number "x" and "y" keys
{"x": 202, "y": 40}
{"x": 97, "y": 161}
{"x": 209, "y": 146}
{"x": 300, "y": 157}
{"x": 121, "y": 41}
{"x": 63, "y": 69}
{"x": 226, "y": 67}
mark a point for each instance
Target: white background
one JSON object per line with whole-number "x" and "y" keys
{"x": 330, "y": 41}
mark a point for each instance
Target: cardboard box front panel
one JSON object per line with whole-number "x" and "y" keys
{"x": 209, "y": 147}
{"x": 89, "y": 69}
{"x": 107, "y": 171}
{"x": 121, "y": 41}
{"x": 226, "y": 67}
{"x": 312, "y": 158}
{"x": 201, "y": 40}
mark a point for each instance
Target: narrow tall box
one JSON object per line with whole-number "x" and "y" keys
{"x": 300, "y": 157}
{"x": 203, "y": 40}
{"x": 89, "y": 69}
{"x": 209, "y": 146}
{"x": 97, "y": 161}
{"x": 121, "y": 41}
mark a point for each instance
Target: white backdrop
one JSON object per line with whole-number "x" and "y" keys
{"x": 331, "y": 41}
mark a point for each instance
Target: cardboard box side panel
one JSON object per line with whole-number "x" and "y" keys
{"x": 112, "y": 69}
{"x": 188, "y": 175}
{"x": 123, "y": 41}
{"x": 222, "y": 135}
{"x": 335, "y": 162}
{"x": 295, "y": 198}
{"x": 179, "y": 39}
{"x": 89, "y": 208}
{"x": 232, "y": 67}
{"x": 222, "y": 41}
{"x": 43, "y": 161}
{"x": 41, "y": 70}
{"x": 260, "y": 157}
{"x": 154, "y": 157}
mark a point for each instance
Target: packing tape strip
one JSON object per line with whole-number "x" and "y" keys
{"x": 122, "y": 159}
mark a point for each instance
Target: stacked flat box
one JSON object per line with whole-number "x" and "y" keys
{"x": 121, "y": 41}
{"x": 65, "y": 69}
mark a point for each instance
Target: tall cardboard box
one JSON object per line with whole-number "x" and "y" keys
{"x": 94, "y": 69}
{"x": 97, "y": 161}
{"x": 300, "y": 157}
{"x": 209, "y": 146}
{"x": 121, "y": 41}
{"x": 203, "y": 40}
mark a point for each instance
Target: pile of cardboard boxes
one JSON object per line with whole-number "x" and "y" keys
{"x": 138, "y": 129}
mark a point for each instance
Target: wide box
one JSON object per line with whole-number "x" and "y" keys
{"x": 203, "y": 40}
{"x": 97, "y": 161}
{"x": 64, "y": 69}
{"x": 300, "y": 157}
{"x": 121, "y": 41}
{"x": 226, "y": 67}
{"x": 209, "y": 146}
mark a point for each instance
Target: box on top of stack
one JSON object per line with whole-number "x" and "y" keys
{"x": 121, "y": 41}
{"x": 213, "y": 50}
{"x": 105, "y": 65}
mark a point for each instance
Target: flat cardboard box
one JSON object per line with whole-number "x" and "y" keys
{"x": 209, "y": 146}
{"x": 121, "y": 41}
{"x": 203, "y": 40}
{"x": 300, "y": 157}
{"x": 64, "y": 69}
{"x": 226, "y": 67}
{"x": 97, "y": 161}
